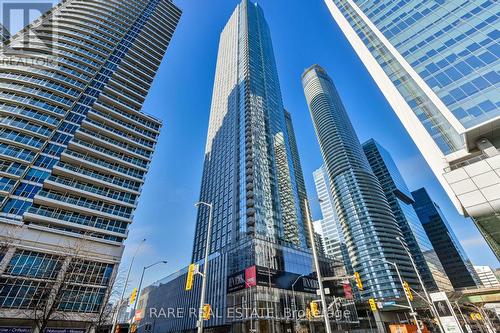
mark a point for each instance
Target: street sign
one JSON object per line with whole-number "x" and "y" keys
{"x": 389, "y": 303}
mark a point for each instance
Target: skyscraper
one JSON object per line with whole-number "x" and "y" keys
{"x": 253, "y": 179}
{"x": 249, "y": 172}
{"x": 455, "y": 262}
{"x": 369, "y": 227}
{"x": 437, "y": 63}
{"x": 333, "y": 239}
{"x": 400, "y": 199}
{"x": 75, "y": 150}
{"x": 4, "y": 34}
{"x": 487, "y": 276}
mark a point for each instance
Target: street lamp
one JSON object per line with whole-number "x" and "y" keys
{"x": 249, "y": 295}
{"x": 318, "y": 271}
{"x": 205, "y": 265}
{"x": 115, "y": 319}
{"x": 140, "y": 283}
{"x": 431, "y": 305}
{"x": 295, "y": 301}
{"x": 413, "y": 313}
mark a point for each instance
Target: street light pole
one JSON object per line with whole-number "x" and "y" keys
{"x": 115, "y": 319}
{"x": 140, "y": 284}
{"x": 205, "y": 265}
{"x": 413, "y": 313}
{"x": 295, "y": 301}
{"x": 318, "y": 271}
{"x": 431, "y": 305}
{"x": 249, "y": 295}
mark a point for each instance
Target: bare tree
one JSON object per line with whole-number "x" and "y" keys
{"x": 9, "y": 236}
{"x": 50, "y": 301}
{"x": 107, "y": 310}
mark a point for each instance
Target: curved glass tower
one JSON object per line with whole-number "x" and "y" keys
{"x": 75, "y": 147}
{"x": 369, "y": 227}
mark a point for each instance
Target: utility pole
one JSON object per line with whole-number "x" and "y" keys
{"x": 412, "y": 312}
{"x": 431, "y": 305}
{"x": 205, "y": 265}
{"x": 318, "y": 271}
{"x": 115, "y": 317}
{"x": 140, "y": 284}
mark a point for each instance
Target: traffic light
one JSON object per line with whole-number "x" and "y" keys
{"x": 206, "y": 312}
{"x": 190, "y": 277}
{"x": 407, "y": 290}
{"x": 133, "y": 328}
{"x": 357, "y": 278}
{"x": 308, "y": 314}
{"x": 373, "y": 305}
{"x": 117, "y": 329}
{"x": 476, "y": 316}
{"x": 314, "y": 309}
{"x": 133, "y": 296}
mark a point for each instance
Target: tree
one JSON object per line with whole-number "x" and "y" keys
{"x": 57, "y": 301}
{"x": 109, "y": 308}
{"x": 9, "y": 236}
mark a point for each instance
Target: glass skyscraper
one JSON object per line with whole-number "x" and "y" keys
{"x": 368, "y": 224}
{"x": 400, "y": 199}
{"x": 437, "y": 62}
{"x": 249, "y": 173}
{"x": 75, "y": 149}
{"x": 455, "y": 262}
{"x": 333, "y": 239}
{"x": 253, "y": 179}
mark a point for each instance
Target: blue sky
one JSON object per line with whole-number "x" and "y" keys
{"x": 303, "y": 33}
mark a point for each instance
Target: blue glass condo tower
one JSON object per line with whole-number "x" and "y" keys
{"x": 75, "y": 149}
{"x": 368, "y": 224}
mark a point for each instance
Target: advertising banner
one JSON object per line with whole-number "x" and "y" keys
{"x": 262, "y": 276}
{"x": 446, "y": 315}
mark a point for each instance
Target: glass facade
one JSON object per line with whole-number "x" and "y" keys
{"x": 74, "y": 144}
{"x": 283, "y": 280}
{"x": 400, "y": 199}
{"x": 452, "y": 45}
{"x": 252, "y": 173}
{"x": 368, "y": 225}
{"x": 438, "y": 64}
{"x": 252, "y": 177}
{"x": 455, "y": 262}
{"x": 333, "y": 239}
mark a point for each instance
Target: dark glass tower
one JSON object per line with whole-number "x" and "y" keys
{"x": 369, "y": 227}
{"x": 451, "y": 254}
{"x": 400, "y": 199}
